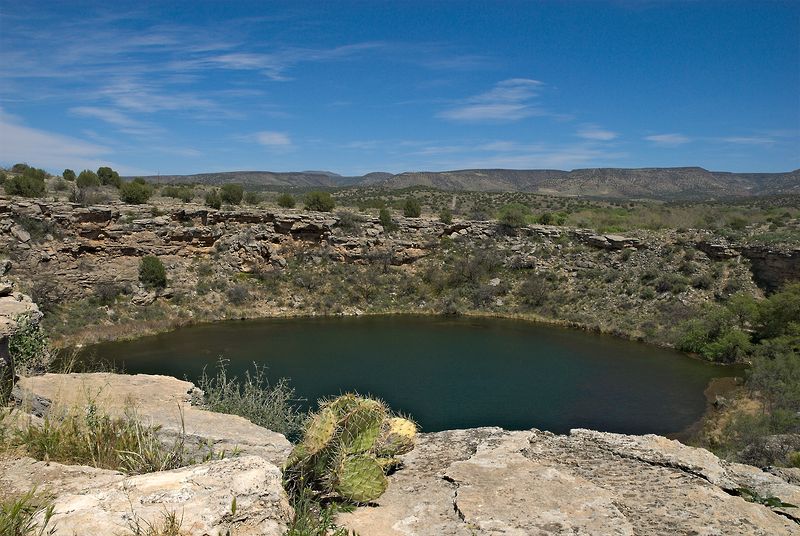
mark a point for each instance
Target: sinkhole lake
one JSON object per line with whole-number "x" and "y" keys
{"x": 449, "y": 372}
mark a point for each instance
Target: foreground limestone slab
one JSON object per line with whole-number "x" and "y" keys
{"x": 164, "y": 401}
{"x": 199, "y": 496}
{"x": 488, "y": 481}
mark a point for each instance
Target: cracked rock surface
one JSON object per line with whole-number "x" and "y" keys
{"x": 490, "y": 481}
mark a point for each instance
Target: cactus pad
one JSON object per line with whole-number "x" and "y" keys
{"x": 397, "y": 437}
{"x": 320, "y": 431}
{"x": 360, "y": 479}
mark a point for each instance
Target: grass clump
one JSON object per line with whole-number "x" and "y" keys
{"x": 18, "y": 515}
{"x": 90, "y": 437}
{"x": 272, "y": 406}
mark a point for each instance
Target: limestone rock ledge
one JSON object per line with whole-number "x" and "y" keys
{"x": 97, "y": 501}
{"x": 489, "y": 481}
{"x": 164, "y": 401}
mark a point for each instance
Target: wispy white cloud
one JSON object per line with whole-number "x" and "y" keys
{"x": 593, "y": 132}
{"x": 668, "y": 140}
{"x": 123, "y": 122}
{"x": 748, "y": 140}
{"x": 20, "y": 143}
{"x": 273, "y": 140}
{"x": 509, "y": 100}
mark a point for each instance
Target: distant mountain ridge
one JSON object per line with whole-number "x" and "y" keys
{"x": 654, "y": 183}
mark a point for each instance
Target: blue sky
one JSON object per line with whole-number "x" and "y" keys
{"x": 172, "y": 87}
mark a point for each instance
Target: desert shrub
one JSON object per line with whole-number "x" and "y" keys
{"x": 29, "y": 184}
{"x": 231, "y": 193}
{"x": 61, "y": 185}
{"x": 533, "y": 291}
{"x": 674, "y": 283}
{"x": 446, "y": 216}
{"x": 286, "y": 200}
{"x": 135, "y": 192}
{"x": 69, "y": 175}
{"x": 106, "y": 293}
{"x": 87, "y": 179}
{"x": 387, "y": 222}
{"x": 702, "y": 281}
{"x": 184, "y": 193}
{"x": 152, "y": 273}
{"x": 252, "y": 198}
{"x": 319, "y": 201}
{"x": 213, "y": 199}
{"x": 108, "y": 177}
{"x": 3, "y": 177}
{"x": 412, "y": 208}
{"x": 28, "y": 514}
{"x": 88, "y": 196}
{"x": 349, "y": 222}
{"x": 470, "y": 269}
{"x": 20, "y": 167}
{"x": 30, "y": 348}
{"x": 253, "y": 397}
{"x": 238, "y": 294}
{"x": 514, "y": 215}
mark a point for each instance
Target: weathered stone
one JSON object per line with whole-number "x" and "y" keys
{"x": 94, "y": 501}
{"x": 489, "y": 481}
{"x": 163, "y": 401}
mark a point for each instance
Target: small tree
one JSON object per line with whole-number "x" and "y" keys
{"x": 108, "y": 176}
{"x": 386, "y": 219}
{"x": 231, "y": 194}
{"x": 87, "y": 179}
{"x": 213, "y": 199}
{"x": 69, "y": 175}
{"x": 135, "y": 192}
{"x": 412, "y": 208}
{"x": 152, "y": 273}
{"x": 319, "y": 201}
{"x": 286, "y": 200}
{"x": 446, "y": 216}
{"x": 26, "y": 185}
{"x": 514, "y": 215}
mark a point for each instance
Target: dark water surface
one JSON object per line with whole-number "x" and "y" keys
{"x": 450, "y": 372}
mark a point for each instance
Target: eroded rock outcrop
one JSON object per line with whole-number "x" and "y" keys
{"x": 162, "y": 401}
{"x": 490, "y": 481}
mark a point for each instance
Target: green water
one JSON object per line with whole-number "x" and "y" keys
{"x": 450, "y": 372}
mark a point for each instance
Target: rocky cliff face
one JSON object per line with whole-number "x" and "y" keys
{"x": 63, "y": 252}
{"x": 485, "y": 481}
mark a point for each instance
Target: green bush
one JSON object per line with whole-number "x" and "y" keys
{"x": 385, "y": 217}
{"x": 446, "y": 216}
{"x": 319, "y": 201}
{"x": 286, "y": 200}
{"x": 87, "y": 179}
{"x": 152, "y": 273}
{"x": 231, "y": 193}
{"x": 108, "y": 177}
{"x": 25, "y": 185}
{"x": 135, "y": 192}
{"x": 514, "y": 215}
{"x": 184, "y": 193}
{"x": 412, "y": 208}
{"x": 30, "y": 348}
{"x": 69, "y": 175}
{"x": 213, "y": 199}
{"x": 252, "y": 198}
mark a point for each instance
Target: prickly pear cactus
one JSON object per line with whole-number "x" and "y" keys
{"x": 348, "y": 447}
